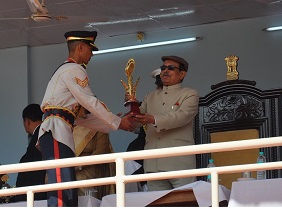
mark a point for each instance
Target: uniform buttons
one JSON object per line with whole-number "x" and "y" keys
{"x": 163, "y": 103}
{"x": 165, "y": 92}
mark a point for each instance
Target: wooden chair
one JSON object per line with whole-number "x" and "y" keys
{"x": 237, "y": 110}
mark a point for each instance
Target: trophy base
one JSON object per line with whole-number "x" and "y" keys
{"x": 132, "y": 106}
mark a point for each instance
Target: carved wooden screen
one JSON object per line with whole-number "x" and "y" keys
{"x": 239, "y": 105}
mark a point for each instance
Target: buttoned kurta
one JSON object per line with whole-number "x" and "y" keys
{"x": 69, "y": 88}
{"x": 174, "y": 109}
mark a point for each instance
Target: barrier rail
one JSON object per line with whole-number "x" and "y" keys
{"x": 120, "y": 179}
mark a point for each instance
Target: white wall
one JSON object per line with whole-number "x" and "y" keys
{"x": 259, "y": 60}
{"x": 14, "y": 97}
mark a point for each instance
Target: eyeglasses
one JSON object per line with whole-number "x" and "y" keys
{"x": 170, "y": 67}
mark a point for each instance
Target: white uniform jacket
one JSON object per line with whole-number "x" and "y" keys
{"x": 68, "y": 88}
{"x": 174, "y": 109}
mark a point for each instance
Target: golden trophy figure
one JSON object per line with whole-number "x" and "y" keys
{"x": 131, "y": 104}
{"x": 4, "y": 185}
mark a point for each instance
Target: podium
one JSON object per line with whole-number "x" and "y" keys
{"x": 192, "y": 195}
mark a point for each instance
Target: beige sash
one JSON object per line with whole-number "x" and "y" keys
{"x": 82, "y": 137}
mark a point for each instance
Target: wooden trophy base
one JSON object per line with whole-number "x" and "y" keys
{"x": 132, "y": 106}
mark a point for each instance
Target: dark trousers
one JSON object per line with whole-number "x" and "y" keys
{"x": 52, "y": 149}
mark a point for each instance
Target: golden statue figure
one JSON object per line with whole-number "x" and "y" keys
{"x": 131, "y": 102}
{"x": 231, "y": 62}
{"x": 4, "y": 185}
{"x": 130, "y": 88}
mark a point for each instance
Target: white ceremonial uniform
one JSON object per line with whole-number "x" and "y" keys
{"x": 69, "y": 88}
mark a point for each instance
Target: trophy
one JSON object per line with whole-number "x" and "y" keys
{"x": 4, "y": 185}
{"x": 131, "y": 104}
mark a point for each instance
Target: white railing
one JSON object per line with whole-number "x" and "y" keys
{"x": 120, "y": 179}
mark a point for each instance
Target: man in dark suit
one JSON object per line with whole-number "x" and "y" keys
{"x": 32, "y": 119}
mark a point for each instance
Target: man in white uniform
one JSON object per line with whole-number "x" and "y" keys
{"x": 68, "y": 99}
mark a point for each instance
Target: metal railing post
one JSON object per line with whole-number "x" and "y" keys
{"x": 120, "y": 186}
{"x": 30, "y": 198}
{"x": 214, "y": 188}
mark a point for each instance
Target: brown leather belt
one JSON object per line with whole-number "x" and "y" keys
{"x": 64, "y": 114}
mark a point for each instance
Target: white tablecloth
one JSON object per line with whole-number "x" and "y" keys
{"x": 201, "y": 189}
{"x": 37, "y": 203}
{"x": 256, "y": 193}
{"x": 83, "y": 201}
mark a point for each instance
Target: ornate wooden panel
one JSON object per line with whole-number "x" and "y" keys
{"x": 239, "y": 105}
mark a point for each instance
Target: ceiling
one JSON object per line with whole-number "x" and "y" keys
{"x": 119, "y": 17}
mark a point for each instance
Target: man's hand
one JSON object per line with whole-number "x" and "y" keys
{"x": 127, "y": 123}
{"x": 145, "y": 119}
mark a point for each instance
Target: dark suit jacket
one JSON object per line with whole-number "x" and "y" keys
{"x": 138, "y": 144}
{"x": 31, "y": 178}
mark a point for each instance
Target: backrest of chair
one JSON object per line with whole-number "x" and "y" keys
{"x": 237, "y": 110}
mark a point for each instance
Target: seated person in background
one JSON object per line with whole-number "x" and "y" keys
{"x": 92, "y": 142}
{"x": 156, "y": 75}
{"x": 32, "y": 118}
